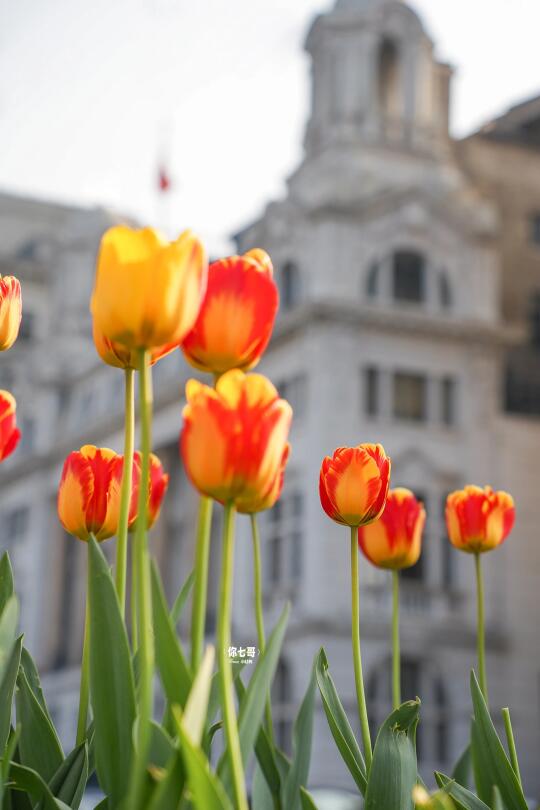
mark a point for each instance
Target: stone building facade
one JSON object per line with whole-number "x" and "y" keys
{"x": 409, "y": 271}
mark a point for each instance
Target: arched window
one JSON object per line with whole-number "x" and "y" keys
{"x": 409, "y": 276}
{"x": 390, "y": 92}
{"x": 445, "y": 291}
{"x": 418, "y": 679}
{"x": 290, "y": 286}
{"x": 372, "y": 285}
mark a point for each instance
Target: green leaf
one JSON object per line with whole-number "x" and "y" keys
{"x": 69, "y": 781}
{"x": 8, "y": 632}
{"x": 194, "y": 715}
{"x": 174, "y": 670}
{"x": 39, "y": 746}
{"x": 464, "y": 799}
{"x": 7, "y": 588}
{"x": 261, "y": 796}
{"x": 263, "y": 750}
{"x": 29, "y": 781}
{"x": 462, "y": 769}
{"x": 302, "y": 735}
{"x": 178, "y": 607}
{"x": 490, "y": 756}
{"x": 253, "y": 703}
{"x": 7, "y": 688}
{"x": 392, "y": 776}
{"x": 307, "y": 800}
{"x": 207, "y": 791}
{"x": 161, "y": 746}
{"x": 111, "y": 680}
{"x": 32, "y": 676}
{"x": 339, "y": 724}
{"x": 170, "y": 786}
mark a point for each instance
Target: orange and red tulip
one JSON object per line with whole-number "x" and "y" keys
{"x": 395, "y": 539}
{"x": 89, "y": 493}
{"x": 268, "y": 499}
{"x": 479, "y": 519}
{"x": 119, "y": 356}
{"x": 9, "y": 432}
{"x": 10, "y": 311}
{"x": 237, "y": 317}
{"x": 158, "y": 483}
{"x": 353, "y": 484}
{"x": 234, "y": 437}
{"x": 147, "y": 292}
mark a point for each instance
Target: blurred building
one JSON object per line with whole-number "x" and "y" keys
{"x": 409, "y": 270}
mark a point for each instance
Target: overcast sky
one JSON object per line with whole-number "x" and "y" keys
{"x": 94, "y": 92}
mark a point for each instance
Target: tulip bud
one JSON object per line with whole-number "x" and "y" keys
{"x": 9, "y": 432}
{"x": 234, "y": 438}
{"x": 147, "y": 292}
{"x": 395, "y": 539}
{"x": 10, "y": 311}
{"x": 353, "y": 484}
{"x": 89, "y": 493}
{"x": 479, "y": 519}
{"x": 237, "y": 317}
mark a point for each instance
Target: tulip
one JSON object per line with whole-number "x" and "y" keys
{"x": 9, "y": 432}
{"x": 237, "y": 317}
{"x": 147, "y": 292}
{"x": 269, "y": 498}
{"x": 159, "y": 481}
{"x": 89, "y": 493}
{"x": 234, "y": 437}
{"x": 479, "y": 520}
{"x": 394, "y": 541}
{"x": 10, "y": 311}
{"x": 353, "y": 484}
{"x": 119, "y": 356}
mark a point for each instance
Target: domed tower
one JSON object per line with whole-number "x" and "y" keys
{"x": 375, "y": 80}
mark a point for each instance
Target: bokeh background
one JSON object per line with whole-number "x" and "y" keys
{"x": 389, "y": 161}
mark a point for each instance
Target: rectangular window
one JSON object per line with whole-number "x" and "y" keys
{"x": 410, "y": 397}
{"x": 371, "y": 391}
{"x": 408, "y": 277}
{"x": 14, "y": 526}
{"x": 448, "y": 401}
{"x": 284, "y": 530}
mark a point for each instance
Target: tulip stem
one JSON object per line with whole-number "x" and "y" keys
{"x": 511, "y": 744}
{"x": 225, "y": 670}
{"x": 200, "y": 587}
{"x": 257, "y": 592}
{"x": 84, "y": 694}
{"x": 357, "y": 658}
{"x": 143, "y": 591}
{"x": 481, "y": 632}
{"x": 396, "y": 653}
{"x": 125, "y": 492}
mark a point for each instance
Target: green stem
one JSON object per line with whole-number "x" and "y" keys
{"x": 257, "y": 591}
{"x": 200, "y": 587}
{"x": 481, "y": 632}
{"x": 225, "y": 671}
{"x": 143, "y": 591}
{"x": 357, "y": 658}
{"x": 396, "y": 654}
{"x": 84, "y": 694}
{"x": 125, "y": 492}
{"x": 511, "y": 743}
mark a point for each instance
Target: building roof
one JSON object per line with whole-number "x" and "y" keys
{"x": 520, "y": 124}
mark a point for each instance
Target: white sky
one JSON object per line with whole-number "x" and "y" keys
{"x": 92, "y": 91}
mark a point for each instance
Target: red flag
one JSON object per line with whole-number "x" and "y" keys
{"x": 164, "y": 180}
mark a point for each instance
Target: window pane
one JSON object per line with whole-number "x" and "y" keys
{"x": 290, "y": 291}
{"x": 445, "y": 293}
{"x": 408, "y": 273}
{"x": 371, "y": 391}
{"x": 410, "y": 397}
{"x": 373, "y": 281}
{"x": 535, "y": 228}
{"x": 448, "y": 395}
